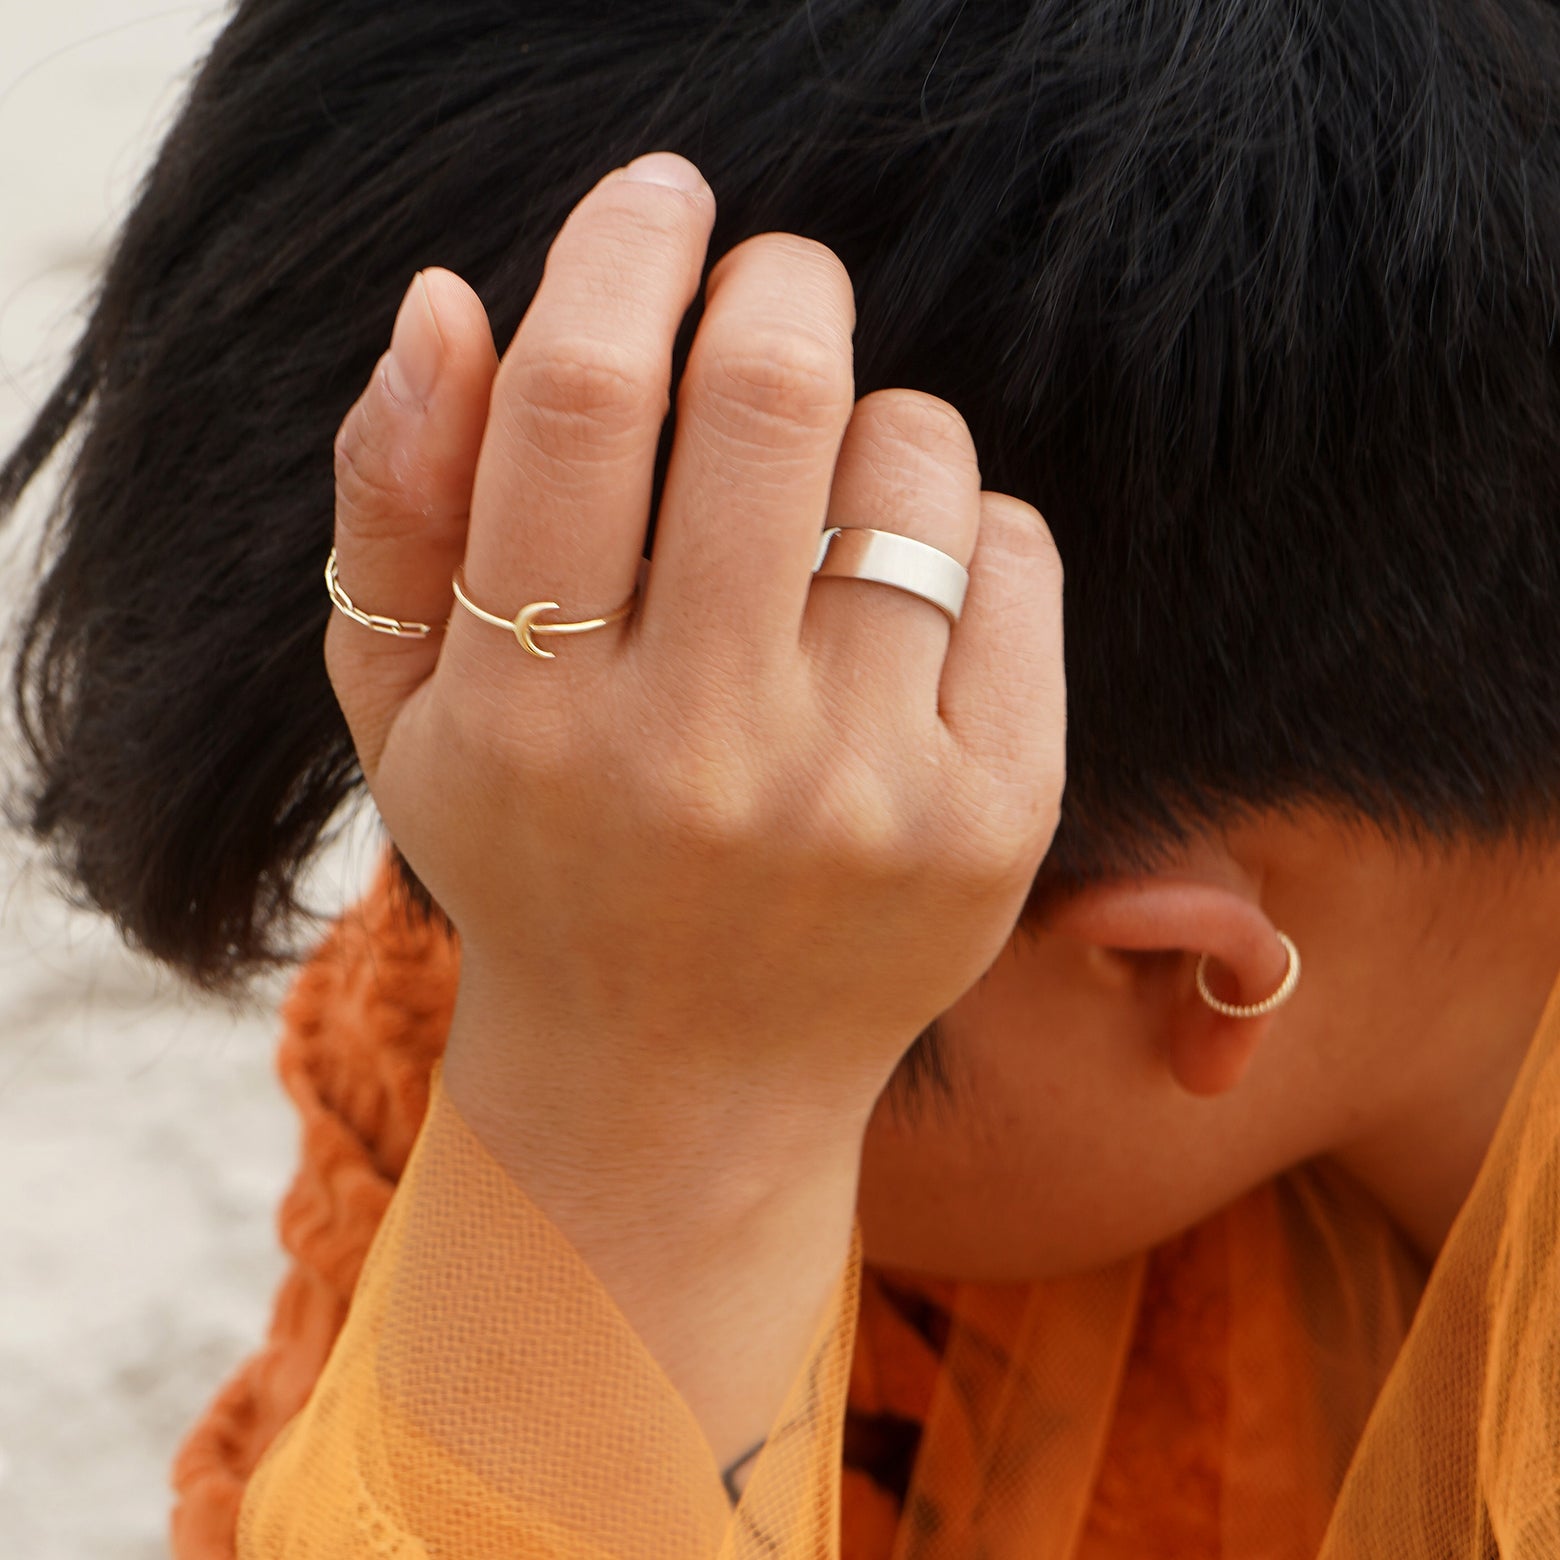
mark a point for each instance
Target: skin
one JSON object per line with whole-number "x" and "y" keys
{"x": 773, "y": 826}
{"x": 1423, "y": 978}
{"x": 647, "y": 844}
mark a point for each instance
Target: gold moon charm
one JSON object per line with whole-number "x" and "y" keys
{"x": 524, "y": 618}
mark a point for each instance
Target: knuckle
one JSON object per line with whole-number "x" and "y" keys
{"x": 898, "y": 420}
{"x": 709, "y": 800}
{"x": 1005, "y": 829}
{"x": 814, "y": 268}
{"x": 600, "y": 386}
{"x": 775, "y": 377}
{"x": 857, "y": 819}
{"x": 628, "y": 219}
{"x": 710, "y": 820}
{"x": 972, "y": 869}
{"x": 1019, "y": 529}
{"x": 369, "y": 482}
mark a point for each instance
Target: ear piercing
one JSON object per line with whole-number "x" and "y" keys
{"x": 1256, "y": 1009}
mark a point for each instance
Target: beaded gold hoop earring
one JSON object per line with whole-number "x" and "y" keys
{"x": 1256, "y": 1009}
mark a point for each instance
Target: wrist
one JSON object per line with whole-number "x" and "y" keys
{"x": 624, "y": 1133}
{"x": 718, "y": 1220}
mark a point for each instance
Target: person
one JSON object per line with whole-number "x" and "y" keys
{"x": 757, "y": 1108}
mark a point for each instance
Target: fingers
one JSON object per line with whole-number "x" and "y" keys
{"x": 562, "y": 499}
{"x": 552, "y": 455}
{"x": 908, "y": 466}
{"x": 405, "y": 458}
{"x": 1003, "y": 692}
{"x": 763, "y": 405}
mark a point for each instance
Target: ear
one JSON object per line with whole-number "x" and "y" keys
{"x": 1181, "y": 915}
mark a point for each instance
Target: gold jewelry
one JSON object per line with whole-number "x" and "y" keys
{"x": 382, "y": 625}
{"x": 854, "y": 552}
{"x": 524, "y": 623}
{"x": 1256, "y": 1009}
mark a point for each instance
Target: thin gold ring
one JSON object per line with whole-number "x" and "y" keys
{"x": 374, "y": 620}
{"x": 523, "y": 624}
{"x": 1256, "y": 1009}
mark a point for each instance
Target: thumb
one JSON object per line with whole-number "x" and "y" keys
{"x": 406, "y": 458}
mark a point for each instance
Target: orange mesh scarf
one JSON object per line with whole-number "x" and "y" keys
{"x": 1244, "y": 1391}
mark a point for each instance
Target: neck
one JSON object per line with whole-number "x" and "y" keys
{"x": 1460, "y": 1032}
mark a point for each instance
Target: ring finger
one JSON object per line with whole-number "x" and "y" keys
{"x": 907, "y": 466}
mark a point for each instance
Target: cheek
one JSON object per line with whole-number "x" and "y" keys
{"x": 1064, "y": 1146}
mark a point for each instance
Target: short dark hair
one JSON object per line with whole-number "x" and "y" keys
{"x": 1256, "y": 300}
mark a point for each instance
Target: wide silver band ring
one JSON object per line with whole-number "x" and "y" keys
{"x": 860, "y": 553}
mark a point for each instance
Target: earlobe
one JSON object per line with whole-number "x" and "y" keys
{"x": 1211, "y": 1049}
{"x": 1207, "y": 1053}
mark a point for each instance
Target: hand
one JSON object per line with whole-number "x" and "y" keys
{"x": 743, "y": 845}
{"x": 717, "y": 864}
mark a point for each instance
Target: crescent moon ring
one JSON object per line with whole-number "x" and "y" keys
{"x": 524, "y": 618}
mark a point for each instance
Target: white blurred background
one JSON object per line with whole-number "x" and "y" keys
{"x": 144, "y": 1140}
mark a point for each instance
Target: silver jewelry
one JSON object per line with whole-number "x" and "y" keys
{"x": 860, "y": 553}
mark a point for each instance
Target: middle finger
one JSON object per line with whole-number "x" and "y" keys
{"x": 561, "y": 502}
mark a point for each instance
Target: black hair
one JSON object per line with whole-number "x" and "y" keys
{"x": 1256, "y": 300}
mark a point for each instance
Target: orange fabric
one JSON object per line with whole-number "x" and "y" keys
{"x": 1205, "y": 1399}
{"x": 362, "y": 1026}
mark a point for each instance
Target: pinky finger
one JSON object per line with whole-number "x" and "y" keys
{"x": 1003, "y": 692}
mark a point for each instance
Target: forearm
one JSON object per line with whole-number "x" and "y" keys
{"x": 489, "y": 1397}
{"x": 718, "y": 1223}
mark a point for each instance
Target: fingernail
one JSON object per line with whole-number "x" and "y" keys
{"x": 416, "y": 347}
{"x": 665, "y": 168}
